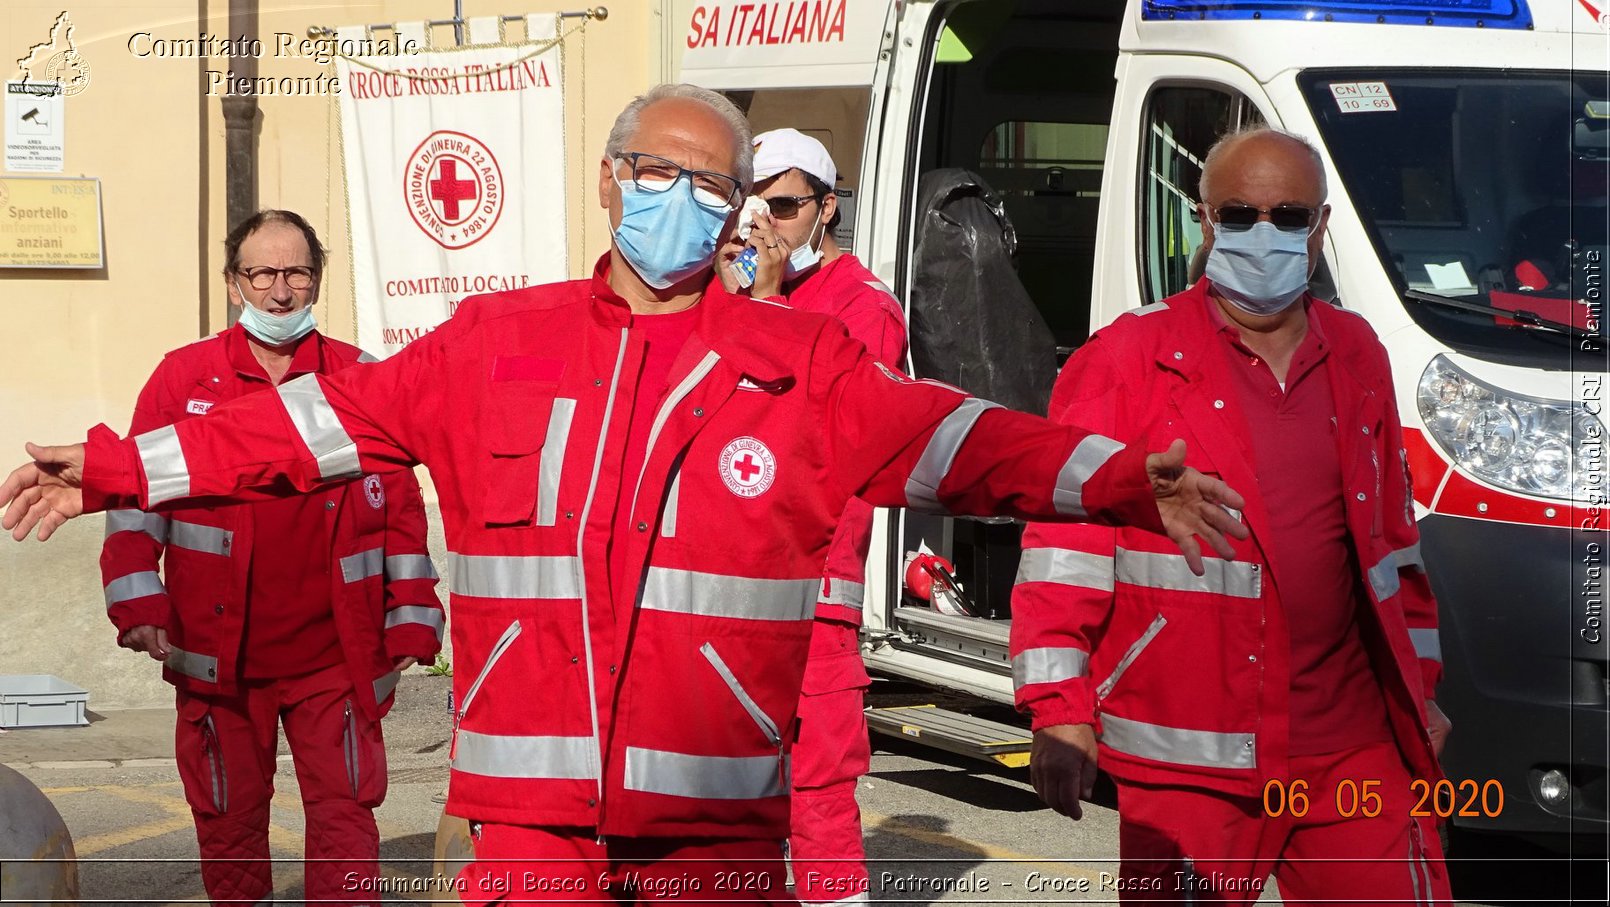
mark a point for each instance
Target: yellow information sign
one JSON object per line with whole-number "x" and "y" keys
{"x": 50, "y": 222}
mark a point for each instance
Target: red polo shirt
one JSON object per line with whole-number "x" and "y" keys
{"x": 1336, "y": 702}
{"x": 290, "y": 627}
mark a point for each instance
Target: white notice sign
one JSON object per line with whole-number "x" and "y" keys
{"x": 35, "y": 129}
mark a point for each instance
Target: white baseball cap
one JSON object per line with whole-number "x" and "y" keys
{"x": 790, "y": 149}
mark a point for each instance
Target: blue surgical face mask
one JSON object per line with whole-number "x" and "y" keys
{"x": 275, "y": 330}
{"x": 805, "y": 257}
{"x": 1261, "y": 271}
{"x": 668, "y": 235}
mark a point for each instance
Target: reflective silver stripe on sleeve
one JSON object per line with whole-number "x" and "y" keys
{"x": 196, "y": 537}
{"x": 1178, "y": 746}
{"x": 320, "y": 428}
{"x": 363, "y": 565}
{"x": 842, "y": 592}
{"x": 922, "y": 487}
{"x": 384, "y": 684}
{"x": 552, "y": 459}
{"x": 365, "y": 357}
{"x": 1088, "y": 455}
{"x": 201, "y": 667}
{"x": 510, "y": 576}
{"x": 1236, "y": 579}
{"x": 166, "y": 474}
{"x": 132, "y": 586}
{"x": 409, "y": 566}
{"x": 704, "y": 777}
{"x": 714, "y": 595}
{"x": 1427, "y": 643}
{"x": 1048, "y": 665}
{"x": 511, "y": 756}
{"x": 1066, "y": 568}
{"x": 1384, "y": 581}
{"x": 417, "y": 614}
{"x": 1150, "y": 308}
{"x": 668, "y": 518}
{"x": 153, "y": 524}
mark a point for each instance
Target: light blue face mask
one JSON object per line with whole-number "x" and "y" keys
{"x": 1261, "y": 271}
{"x": 275, "y": 330}
{"x": 805, "y": 257}
{"x": 668, "y": 235}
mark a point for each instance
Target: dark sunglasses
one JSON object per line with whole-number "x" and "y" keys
{"x": 786, "y": 207}
{"x": 1239, "y": 218}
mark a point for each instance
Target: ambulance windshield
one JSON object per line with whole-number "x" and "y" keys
{"x": 1484, "y": 192}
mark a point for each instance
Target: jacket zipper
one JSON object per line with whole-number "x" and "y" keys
{"x": 1133, "y": 653}
{"x": 349, "y": 745}
{"x": 498, "y": 648}
{"x": 581, "y": 578}
{"x": 756, "y": 713}
{"x": 215, "y": 765}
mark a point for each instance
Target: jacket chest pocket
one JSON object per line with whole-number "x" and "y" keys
{"x": 526, "y": 431}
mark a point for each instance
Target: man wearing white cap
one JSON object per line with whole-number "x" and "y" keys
{"x": 800, "y": 265}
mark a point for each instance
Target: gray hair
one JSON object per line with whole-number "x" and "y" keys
{"x": 1260, "y": 130}
{"x": 627, "y": 123}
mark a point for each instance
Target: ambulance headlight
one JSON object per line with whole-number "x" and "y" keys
{"x": 1548, "y": 448}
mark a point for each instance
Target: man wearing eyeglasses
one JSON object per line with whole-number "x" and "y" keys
{"x": 799, "y": 264}
{"x": 1271, "y": 715}
{"x": 640, "y": 478}
{"x": 299, "y": 610}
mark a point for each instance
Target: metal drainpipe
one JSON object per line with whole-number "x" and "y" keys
{"x": 240, "y": 128}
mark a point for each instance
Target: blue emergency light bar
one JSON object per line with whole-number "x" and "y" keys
{"x": 1467, "y": 13}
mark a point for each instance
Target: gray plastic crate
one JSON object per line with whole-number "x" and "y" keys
{"x": 40, "y": 700}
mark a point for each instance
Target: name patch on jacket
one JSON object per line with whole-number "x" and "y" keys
{"x": 527, "y": 368}
{"x": 198, "y": 407}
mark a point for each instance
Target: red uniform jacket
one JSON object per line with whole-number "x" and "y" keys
{"x": 383, "y": 593}
{"x": 664, "y": 708}
{"x": 1186, "y": 677}
{"x": 846, "y": 290}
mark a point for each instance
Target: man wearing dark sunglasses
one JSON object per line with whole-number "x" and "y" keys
{"x": 1269, "y": 717}
{"x": 805, "y": 269}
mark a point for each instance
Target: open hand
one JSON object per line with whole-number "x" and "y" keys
{"x": 45, "y": 492}
{"x": 1193, "y": 505}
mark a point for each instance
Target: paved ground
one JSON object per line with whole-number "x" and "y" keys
{"x": 938, "y": 829}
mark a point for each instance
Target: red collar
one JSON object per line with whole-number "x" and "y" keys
{"x": 308, "y": 358}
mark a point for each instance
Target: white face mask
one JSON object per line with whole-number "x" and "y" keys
{"x": 275, "y": 330}
{"x": 806, "y": 256}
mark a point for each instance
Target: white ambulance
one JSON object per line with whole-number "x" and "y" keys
{"x": 1466, "y": 145}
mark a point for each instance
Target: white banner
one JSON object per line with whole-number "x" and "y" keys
{"x": 455, "y": 166}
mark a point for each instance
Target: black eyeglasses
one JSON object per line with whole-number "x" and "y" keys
{"x": 656, "y": 174}
{"x": 786, "y": 207}
{"x": 297, "y": 278}
{"x": 1239, "y": 218}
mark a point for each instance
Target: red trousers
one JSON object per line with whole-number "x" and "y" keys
{"x": 225, "y": 747}
{"x": 829, "y": 758}
{"x": 1181, "y": 846}
{"x": 517, "y": 864}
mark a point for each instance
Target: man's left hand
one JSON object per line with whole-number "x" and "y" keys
{"x": 1438, "y": 726}
{"x": 403, "y": 663}
{"x": 46, "y": 492}
{"x": 1192, "y": 504}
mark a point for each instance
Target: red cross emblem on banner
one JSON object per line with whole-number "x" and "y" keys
{"x": 453, "y": 187}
